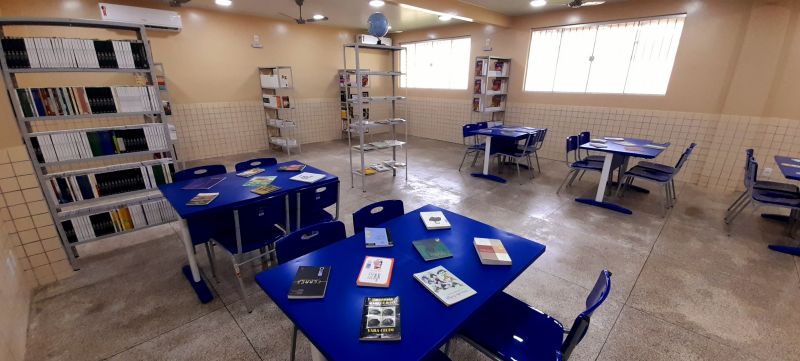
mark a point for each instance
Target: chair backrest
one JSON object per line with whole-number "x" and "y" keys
{"x": 316, "y": 199}
{"x": 540, "y": 135}
{"x": 684, "y": 157}
{"x": 261, "y": 222}
{"x": 584, "y": 137}
{"x": 572, "y": 146}
{"x": 253, "y": 163}
{"x": 377, "y": 213}
{"x": 201, "y": 171}
{"x": 530, "y": 142}
{"x": 751, "y": 174}
{"x": 579, "y": 328}
{"x": 482, "y": 125}
{"x": 308, "y": 239}
{"x": 466, "y": 131}
{"x": 749, "y": 154}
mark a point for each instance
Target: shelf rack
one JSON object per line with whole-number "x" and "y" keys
{"x": 281, "y": 133}
{"x": 166, "y": 103}
{"x": 358, "y": 124}
{"x": 485, "y": 74}
{"x": 347, "y": 89}
{"x": 58, "y": 211}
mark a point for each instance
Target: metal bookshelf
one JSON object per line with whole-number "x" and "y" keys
{"x": 62, "y": 212}
{"x": 279, "y": 130}
{"x": 358, "y": 124}
{"x": 166, "y": 104}
{"x": 483, "y": 94}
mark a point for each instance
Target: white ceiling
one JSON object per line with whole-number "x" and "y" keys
{"x": 344, "y": 13}
{"x": 521, "y": 7}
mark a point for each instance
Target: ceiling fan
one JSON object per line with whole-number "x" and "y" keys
{"x": 571, "y": 3}
{"x": 300, "y": 19}
{"x": 581, "y": 3}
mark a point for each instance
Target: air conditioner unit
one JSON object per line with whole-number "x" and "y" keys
{"x": 369, "y": 39}
{"x": 150, "y": 18}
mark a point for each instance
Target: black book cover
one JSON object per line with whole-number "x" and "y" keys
{"x": 105, "y": 54}
{"x": 310, "y": 282}
{"x": 102, "y": 224}
{"x": 85, "y": 186}
{"x": 139, "y": 56}
{"x": 133, "y": 139}
{"x": 69, "y": 231}
{"x": 25, "y": 103}
{"x": 66, "y": 195}
{"x": 380, "y": 319}
{"x": 16, "y": 53}
{"x": 101, "y": 99}
{"x": 121, "y": 181}
{"x": 37, "y": 149}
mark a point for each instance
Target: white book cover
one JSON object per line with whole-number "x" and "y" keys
{"x": 375, "y": 272}
{"x": 308, "y": 177}
{"x": 145, "y": 176}
{"x": 444, "y": 285}
{"x": 434, "y": 220}
{"x": 33, "y": 55}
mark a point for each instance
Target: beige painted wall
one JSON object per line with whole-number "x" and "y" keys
{"x": 735, "y": 56}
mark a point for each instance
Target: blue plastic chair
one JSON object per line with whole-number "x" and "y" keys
{"x": 521, "y": 151}
{"x": 586, "y": 137}
{"x": 313, "y": 202}
{"x": 762, "y": 197}
{"x": 666, "y": 179}
{"x": 509, "y": 329}
{"x": 201, "y": 171}
{"x": 256, "y": 226}
{"x": 786, "y": 190}
{"x": 304, "y": 241}
{"x": 377, "y": 213}
{"x": 254, "y": 163}
{"x": 471, "y": 142}
{"x": 575, "y": 163}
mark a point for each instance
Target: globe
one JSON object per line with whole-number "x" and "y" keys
{"x": 378, "y": 25}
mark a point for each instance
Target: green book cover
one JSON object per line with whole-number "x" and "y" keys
{"x": 94, "y": 143}
{"x": 432, "y": 249}
{"x": 158, "y": 174}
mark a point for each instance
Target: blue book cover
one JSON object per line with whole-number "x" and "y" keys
{"x": 37, "y": 99}
{"x": 377, "y": 237}
{"x": 106, "y": 143}
{"x": 85, "y": 186}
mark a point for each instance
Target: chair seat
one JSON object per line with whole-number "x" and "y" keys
{"x": 777, "y": 198}
{"x": 658, "y": 167}
{"x": 313, "y": 217}
{"x": 654, "y": 175}
{"x": 776, "y": 187}
{"x": 586, "y": 164}
{"x": 480, "y": 147}
{"x": 514, "y": 330}
{"x": 227, "y": 239}
{"x": 595, "y": 158}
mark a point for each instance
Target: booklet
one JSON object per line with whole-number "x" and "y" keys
{"x": 377, "y": 237}
{"x": 202, "y": 199}
{"x": 444, "y": 285}
{"x": 491, "y": 251}
{"x": 434, "y": 220}
{"x": 250, "y": 172}
{"x": 380, "y": 319}
{"x": 310, "y": 282}
{"x": 432, "y": 249}
{"x": 204, "y": 182}
{"x": 259, "y": 181}
{"x": 376, "y": 272}
{"x": 308, "y": 177}
{"x": 262, "y": 190}
{"x": 292, "y": 168}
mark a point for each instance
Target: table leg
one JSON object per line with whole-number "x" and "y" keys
{"x": 601, "y": 189}
{"x": 316, "y": 355}
{"x": 794, "y": 251}
{"x": 776, "y": 217}
{"x": 192, "y": 272}
{"x": 487, "y": 156}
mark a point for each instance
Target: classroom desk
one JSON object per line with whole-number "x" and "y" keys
{"x": 617, "y": 154}
{"x": 504, "y": 132}
{"x": 332, "y": 324}
{"x": 231, "y": 196}
{"x": 792, "y": 173}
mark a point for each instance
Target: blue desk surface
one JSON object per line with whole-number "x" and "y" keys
{"x": 788, "y": 171}
{"x": 233, "y": 194}
{"x": 637, "y": 150}
{"x": 333, "y": 323}
{"x": 505, "y": 131}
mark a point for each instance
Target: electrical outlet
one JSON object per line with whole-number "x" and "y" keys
{"x": 767, "y": 172}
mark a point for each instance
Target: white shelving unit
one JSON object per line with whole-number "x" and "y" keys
{"x": 275, "y": 82}
{"x": 144, "y": 71}
{"x": 358, "y": 124}
{"x": 490, "y": 89}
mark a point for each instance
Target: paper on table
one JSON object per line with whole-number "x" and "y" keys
{"x": 796, "y": 160}
{"x": 655, "y": 146}
{"x": 790, "y": 165}
{"x": 598, "y": 145}
{"x": 613, "y": 138}
{"x": 598, "y": 140}
{"x": 626, "y": 144}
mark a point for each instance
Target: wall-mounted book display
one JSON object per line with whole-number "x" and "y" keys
{"x": 490, "y": 88}
{"x": 281, "y": 132}
{"x": 89, "y": 203}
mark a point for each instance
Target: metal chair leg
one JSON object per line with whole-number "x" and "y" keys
{"x": 569, "y": 184}
{"x": 475, "y": 159}
{"x": 294, "y": 342}
{"x": 730, "y": 219}
{"x": 530, "y": 167}
{"x": 571, "y": 171}
{"x": 536, "y": 154}
{"x": 462, "y": 160}
{"x": 739, "y": 199}
{"x": 210, "y": 255}
{"x": 581, "y": 177}
{"x": 674, "y": 194}
{"x": 516, "y": 160}
{"x": 242, "y": 292}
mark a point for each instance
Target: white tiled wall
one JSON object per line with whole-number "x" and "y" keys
{"x": 716, "y": 163}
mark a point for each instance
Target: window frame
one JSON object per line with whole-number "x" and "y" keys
{"x": 597, "y": 24}
{"x": 405, "y": 71}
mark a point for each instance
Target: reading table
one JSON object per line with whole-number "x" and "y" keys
{"x": 790, "y": 167}
{"x": 232, "y": 195}
{"x": 512, "y": 134}
{"x": 332, "y": 323}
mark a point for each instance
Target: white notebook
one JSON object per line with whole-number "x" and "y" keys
{"x": 444, "y": 285}
{"x": 308, "y": 177}
{"x": 434, "y": 220}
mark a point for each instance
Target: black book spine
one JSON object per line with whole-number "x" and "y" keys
{"x": 69, "y": 231}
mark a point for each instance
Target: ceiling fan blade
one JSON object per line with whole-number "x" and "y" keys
{"x": 288, "y": 16}
{"x": 316, "y": 20}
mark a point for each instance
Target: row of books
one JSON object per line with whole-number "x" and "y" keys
{"x": 349, "y": 79}
{"x": 383, "y": 144}
{"x": 73, "y": 188}
{"x": 73, "y": 53}
{"x": 276, "y": 101}
{"x": 85, "y": 144}
{"x": 84, "y": 228}
{"x": 41, "y": 102}
{"x": 491, "y": 68}
{"x": 498, "y": 85}
{"x": 497, "y": 102}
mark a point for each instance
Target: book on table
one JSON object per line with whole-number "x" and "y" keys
{"x": 262, "y": 190}
{"x": 259, "y": 181}
{"x": 491, "y": 251}
{"x": 380, "y": 319}
{"x": 310, "y": 282}
{"x": 377, "y": 237}
{"x": 444, "y": 285}
{"x": 250, "y": 172}
{"x": 204, "y": 182}
{"x": 432, "y": 249}
{"x": 434, "y": 220}
{"x": 308, "y": 177}
{"x": 376, "y": 272}
{"x": 202, "y": 199}
{"x": 292, "y": 168}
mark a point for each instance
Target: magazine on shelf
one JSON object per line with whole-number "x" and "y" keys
{"x": 481, "y": 65}
{"x": 380, "y": 319}
{"x": 444, "y": 285}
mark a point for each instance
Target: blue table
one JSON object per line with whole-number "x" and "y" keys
{"x": 232, "y": 195}
{"x": 793, "y": 173}
{"x": 510, "y": 133}
{"x": 616, "y": 153}
{"x": 332, "y": 324}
